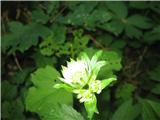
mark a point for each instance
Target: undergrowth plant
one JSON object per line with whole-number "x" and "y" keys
{"x": 80, "y": 77}
{"x": 97, "y": 38}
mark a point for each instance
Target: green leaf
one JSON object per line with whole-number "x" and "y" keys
{"x": 139, "y": 21}
{"x": 155, "y": 107}
{"x": 155, "y": 74}
{"x": 118, "y": 44}
{"x": 13, "y": 110}
{"x": 147, "y": 111}
{"x": 152, "y": 36}
{"x": 20, "y": 76}
{"x": 98, "y": 16}
{"x": 47, "y": 46}
{"x": 65, "y": 86}
{"x": 63, "y": 112}
{"x": 51, "y": 7}
{"x": 91, "y": 107}
{"x": 133, "y": 32}
{"x": 42, "y": 95}
{"x": 106, "y": 82}
{"x": 125, "y": 91}
{"x": 9, "y": 91}
{"x": 156, "y": 89}
{"x": 115, "y": 27}
{"x": 42, "y": 61}
{"x": 22, "y": 37}
{"x": 39, "y": 16}
{"x": 119, "y": 8}
{"x": 52, "y": 43}
{"x": 113, "y": 59}
{"x": 80, "y": 14}
{"x": 126, "y": 111}
{"x": 59, "y": 33}
{"x": 139, "y": 4}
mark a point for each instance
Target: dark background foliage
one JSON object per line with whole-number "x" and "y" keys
{"x": 36, "y": 34}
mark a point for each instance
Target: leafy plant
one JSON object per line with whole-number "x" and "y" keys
{"x": 38, "y": 37}
{"x": 81, "y": 74}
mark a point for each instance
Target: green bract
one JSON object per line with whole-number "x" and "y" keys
{"x": 80, "y": 77}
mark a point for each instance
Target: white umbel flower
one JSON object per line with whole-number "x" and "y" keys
{"x": 75, "y": 73}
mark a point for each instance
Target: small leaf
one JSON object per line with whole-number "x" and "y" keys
{"x": 91, "y": 107}
{"x": 65, "y": 86}
{"x": 106, "y": 82}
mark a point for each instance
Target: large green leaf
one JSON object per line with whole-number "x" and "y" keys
{"x": 43, "y": 97}
{"x": 126, "y": 111}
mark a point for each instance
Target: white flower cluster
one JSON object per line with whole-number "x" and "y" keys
{"x": 80, "y": 77}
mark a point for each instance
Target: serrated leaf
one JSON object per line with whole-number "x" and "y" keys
{"x": 22, "y": 37}
{"x": 126, "y": 111}
{"x": 43, "y": 94}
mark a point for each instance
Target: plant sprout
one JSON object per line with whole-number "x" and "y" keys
{"x": 80, "y": 77}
